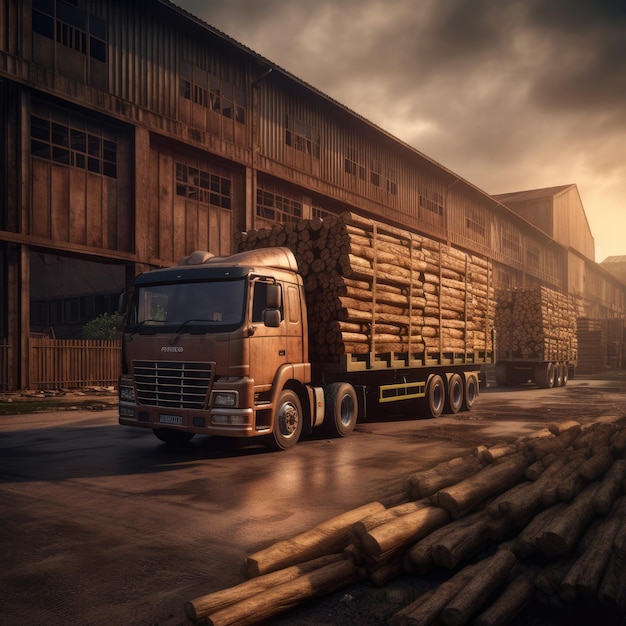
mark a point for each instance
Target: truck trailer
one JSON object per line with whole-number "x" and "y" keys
{"x": 536, "y": 337}
{"x": 311, "y": 325}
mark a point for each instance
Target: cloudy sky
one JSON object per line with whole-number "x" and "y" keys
{"x": 509, "y": 94}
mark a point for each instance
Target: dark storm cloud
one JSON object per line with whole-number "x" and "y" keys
{"x": 511, "y": 94}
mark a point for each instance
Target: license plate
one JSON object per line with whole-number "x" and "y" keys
{"x": 170, "y": 419}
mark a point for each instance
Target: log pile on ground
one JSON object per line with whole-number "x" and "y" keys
{"x": 542, "y": 518}
{"x": 374, "y": 288}
{"x": 536, "y": 322}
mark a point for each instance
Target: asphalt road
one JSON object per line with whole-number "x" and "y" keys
{"x": 104, "y": 525}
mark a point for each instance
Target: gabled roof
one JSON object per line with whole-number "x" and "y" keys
{"x": 533, "y": 194}
{"x": 615, "y": 259}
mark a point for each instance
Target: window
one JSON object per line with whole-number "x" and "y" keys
{"x": 353, "y": 162}
{"x": 65, "y": 144}
{"x": 320, "y": 212}
{"x": 202, "y": 186}
{"x": 533, "y": 256}
{"x": 511, "y": 242}
{"x": 300, "y": 136}
{"x": 476, "y": 223}
{"x": 277, "y": 208}
{"x": 221, "y": 97}
{"x": 71, "y": 27}
{"x": 431, "y": 205}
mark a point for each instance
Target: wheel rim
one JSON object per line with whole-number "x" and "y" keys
{"x": 472, "y": 391}
{"x": 288, "y": 418}
{"x": 346, "y": 410}
{"x": 456, "y": 394}
{"x": 436, "y": 396}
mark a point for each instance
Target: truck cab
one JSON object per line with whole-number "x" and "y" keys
{"x": 218, "y": 346}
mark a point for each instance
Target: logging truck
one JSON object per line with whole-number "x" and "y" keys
{"x": 537, "y": 341}
{"x": 235, "y": 346}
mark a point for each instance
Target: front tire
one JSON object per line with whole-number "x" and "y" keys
{"x": 287, "y": 425}
{"x": 342, "y": 409}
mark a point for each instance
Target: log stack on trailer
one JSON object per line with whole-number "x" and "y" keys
{"x": 373, "y": 288}
{"x": 536, "y": 336}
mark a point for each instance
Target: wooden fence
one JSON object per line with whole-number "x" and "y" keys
{"x": 4, "y": 365}
{"x": 72, "y": 363}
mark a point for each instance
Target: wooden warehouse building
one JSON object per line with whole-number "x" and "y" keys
{"x": 134, "y": 133}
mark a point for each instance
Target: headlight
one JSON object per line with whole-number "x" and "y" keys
{"x": 127, "y": 394}
{"x": 224, "y": 398}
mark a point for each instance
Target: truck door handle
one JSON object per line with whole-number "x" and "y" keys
{"x": 282, "y": 353}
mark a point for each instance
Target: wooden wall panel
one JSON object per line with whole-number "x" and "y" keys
{"x": 40, "y": 193}
{"x": 78, "y": 206}
{"x": 94, "y": 213}
{"x": 165, "y": 222}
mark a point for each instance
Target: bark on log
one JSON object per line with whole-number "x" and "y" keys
{"x": 584, "y": 577}
{"x": 427, "y": 483}
{"x": 329, "y": 537}
{"x": 420, "y": 555}
{"x": 490, "y": 481}
{"x": 609, "y": 487}
{"x": 560, "y": 534}
{"x": 472, "y": 597}
{"x": 275, "y": 600}
{"x": 397, "y": 534}
{"x": 201, "y": 607}
{"x": 427, "y": 609}
{"x": 515, "y": 597}
{"x": 362, "y": 527}
{"x": 612, "y": 592}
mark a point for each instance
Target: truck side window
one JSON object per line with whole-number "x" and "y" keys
{"x": 259, "y": 303}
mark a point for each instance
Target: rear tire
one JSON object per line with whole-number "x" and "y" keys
{"x": 565, "y": 377}
{"x": 436, "y": 396}
{"x": 455, "y": 394}
{"x": 342, "y": 409}
{"x": 558, "y": 374}
{"x": 544, "y": 375}
{"x": 287, "y": 423}
{"x": 173, "y": 437}
{"x": 472, "y": 390}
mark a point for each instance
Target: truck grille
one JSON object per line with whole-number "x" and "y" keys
{"x": 173, "y": 385}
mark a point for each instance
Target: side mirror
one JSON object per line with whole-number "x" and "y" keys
{"x": 122, "y": 308}
{"x": 271, "y": 318}
{"x": 272, "y": 298}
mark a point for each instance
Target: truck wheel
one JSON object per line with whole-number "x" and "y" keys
{"x": 502, "y": 374}
{"x": 454, "y": 400}
{"x": 173, "y": 437}
{"x": 436, "y": 395}
{"x": 342, "y": 409}
{"x": 558, "y": 374}
{"x": 287, "y": 421}
{"x": 565, "y": 376}
{"x": 544, "y": 375}
{"x": 471, "y": 392}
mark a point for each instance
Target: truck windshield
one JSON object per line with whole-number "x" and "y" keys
{"x": 208, "y": 306}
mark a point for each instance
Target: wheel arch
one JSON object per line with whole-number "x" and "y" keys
{"x": 287, "y": 378}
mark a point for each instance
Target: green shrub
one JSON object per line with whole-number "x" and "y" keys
{"x": 103, "y": 327}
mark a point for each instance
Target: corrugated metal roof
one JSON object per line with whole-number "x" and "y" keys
{"x": 532, "y": 194}
{"x": 615, "y": 259}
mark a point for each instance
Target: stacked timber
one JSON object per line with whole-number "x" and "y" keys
{"x": 541, "y": 518}
{"x": 536, "y": 323}
{"x": 593, "y": 346}
{"x": 374, "y": 288}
